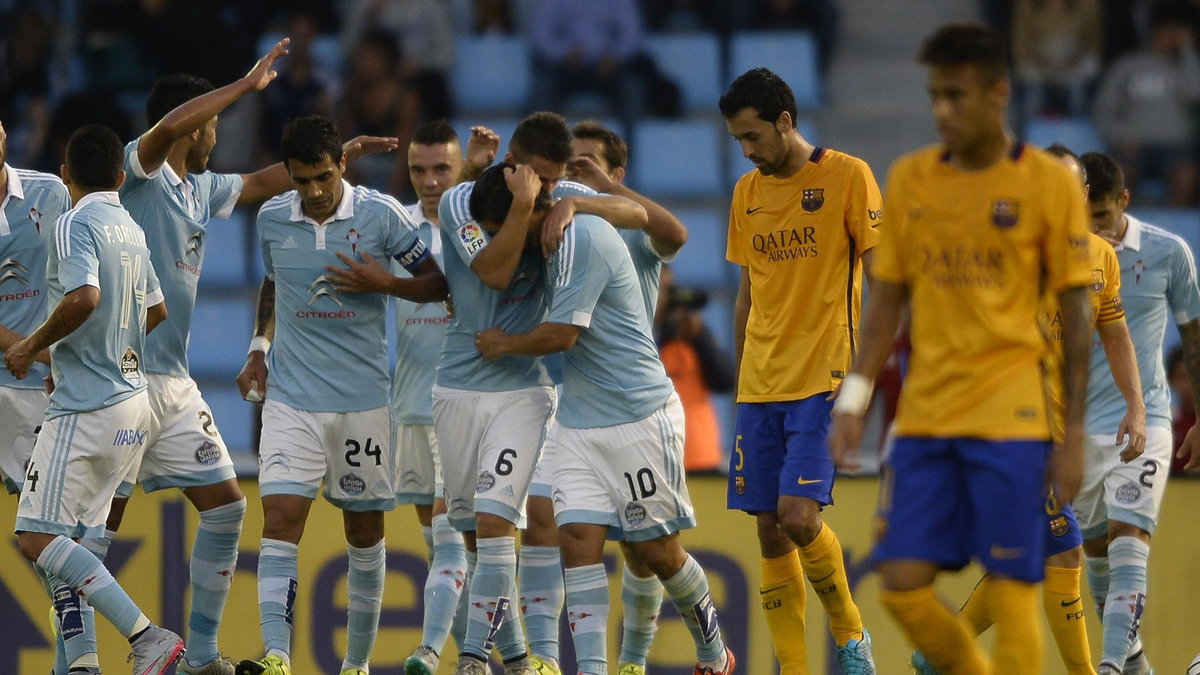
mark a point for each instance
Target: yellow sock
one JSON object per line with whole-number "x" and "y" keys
{"x": 1064, "y": 612}
{"x": 1013, "y": 606}
{"x": 826, "y": 571}
{"x": 975, "y": 613}
{"x": 934, "y": 629}
{"x": 782, "y": 595}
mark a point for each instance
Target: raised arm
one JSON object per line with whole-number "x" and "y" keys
{"x": 496, "y": 264}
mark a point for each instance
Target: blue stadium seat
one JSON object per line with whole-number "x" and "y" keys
{"x": 701, "y": 262}
{"x": 1077, "y": 133}
{"x": 234, "y": 417}
{"x": 491, "y": 73}
{"x": 221, "y": 329}
{"x": 676, "y": 159}
{"x": 692, "y": 61}
{"x": 225, "y": 254}
{"x": 739, "y": 165}
{"x": 792, "y": 55}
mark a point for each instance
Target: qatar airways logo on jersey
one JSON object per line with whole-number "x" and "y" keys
{"x": 787, "y": 244}
{"x": 323, "y": 289}
{"x": 961, "y": 265}
{"x": 192, "y": 250}
{"x": 13, "y": 271}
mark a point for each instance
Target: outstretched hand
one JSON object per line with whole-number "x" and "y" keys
{"x": 261, "y": 74}
{"x": 360, "y": 146}
{"x": 482, "y": 147}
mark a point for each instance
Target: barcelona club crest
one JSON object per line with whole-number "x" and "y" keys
{"x": 1005, "y": 212}
{"x": 1097, "y": 284}
{"x": 812, "y": 199}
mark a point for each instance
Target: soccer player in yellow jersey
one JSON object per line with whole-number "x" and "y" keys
{"x": 801, "y": 225}
{"x": 979, "y": 225}
{"x": 1064, "y": 540}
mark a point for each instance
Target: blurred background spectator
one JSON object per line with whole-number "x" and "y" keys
{"x": 1145, "y": 107}
{"x": 26, "y": 37}
{"x": 1057, "y": 47}
{"x": 492, "y": 16}
{"x": 304, "y": 87}
{"x": 1183, "y": 403}
{"x": 698, "y": 366}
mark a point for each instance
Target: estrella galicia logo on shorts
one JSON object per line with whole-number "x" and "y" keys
{"x": 812, "y": 199}
{"x": 485, "y": 482}
{"x": 635, "y": 514}
{"x": 1128, "y": 493}
{"x": 352, "y": 484}
{"x": 208, "y": 453}
{"x": 1005, "y": 212}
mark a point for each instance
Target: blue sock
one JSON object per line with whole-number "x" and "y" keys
{"x": 641, "y": 600}
{"x": 540, "y": 576}
{"x": 73, "y": 564}
{"x": 75, "y": 646}
{"x": 214, "y": 558}
{"x": 492, "y": 602}
{"x": 99, "y": 545}
{"x": 1127, "y": 557}
{"x": 688, "y": 589}
{"x": 458, "y": 629}
{"x": 364, "y": 585}
{"x": 444, "y": 585}
{"x": 277, "y": 581}
{"x": 587, "y": 614}
{"x": 1096, "y": 570}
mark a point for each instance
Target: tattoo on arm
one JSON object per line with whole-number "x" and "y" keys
{"x": 264, "y": 320}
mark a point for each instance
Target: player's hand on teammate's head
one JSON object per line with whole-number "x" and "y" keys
{"x": 18, "y": 358}
{"x": 587, "y": 171}
{"x": 261, "y": 74}
{"x": 523, "y": 182}
{"x": 1133, "y": 429}
{"x": 360, "y": 146}
{"x": 368, "y": 276}
{"x": 845, "y": 434}
{"x": 557, "y": 221}
{"x": 490, "y": 342}
{"x": 482, "y": 147}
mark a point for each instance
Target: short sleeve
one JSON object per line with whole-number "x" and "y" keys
{"x": 264, "y": 244}
{"x": 570, "y": 188}
{"x": 134, "y": 173}
{"x": 78, "y": 264}
{"x": 574, "y": 281}
{"x": 1065, "y": 246}
{"x": 887, "y": 265}
{"x": 1111, "y": 308}
{"x": 224, "y": 190}
{"x": 1182, "y": 294}
{"x": 864, "y": 207}
{"x": 734, "y": 250}
{"x": 403, "y": 243}
{"x": 465, "y": 236}
{"x": 154, "y": 294}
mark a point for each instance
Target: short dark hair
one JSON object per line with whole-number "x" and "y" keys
{"x": 1105, "y": 178}
{"x": 311, "y": 139}
{"x": 762, "y": 90}
{"x": 171, "y": 91}
{"x": 1060, "y": 150}
{"x": 616, "y": 152}
{"x": 491, "y": 199}
{"x": 435, "y": 132}
{"x": 966, "y": 44}
{"x": 542, "y": 134}
{"x": 95, "y": 156}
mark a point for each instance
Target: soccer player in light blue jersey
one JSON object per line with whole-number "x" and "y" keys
{"x": 326, "y": 419}
{"x": 617, "y": 438}
{"x": 1118, "y": 503}
{"x": 105, "y": 297}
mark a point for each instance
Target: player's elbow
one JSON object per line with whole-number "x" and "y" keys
{"x": 496, "y": 281}
{"x": 563, "y": 337}
{"x": 83, "y": 300}
{"x": 155, "y": 315}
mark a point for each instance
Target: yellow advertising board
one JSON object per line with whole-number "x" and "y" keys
{"x": 151, "y": 556}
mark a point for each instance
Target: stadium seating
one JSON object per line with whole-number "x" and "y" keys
{"x": 701, "y": 262}
{"x": 221, "y": 328}
{"x": 225, "y": 252}
{"x": 1077, "y": 133}
{"x": 676, "y": 158}
{"x": 791, "y": 54}
{"x": 692, "y": 61}
{"x": 491, "y": 73}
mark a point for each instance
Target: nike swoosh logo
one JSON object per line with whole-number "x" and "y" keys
{"x": 751, "y": 212}
{"x": 801, "y": 481}
{"x": 1068, "y": 603}
{"x": 764, "y": 591}
{"x": 817, "y": 581}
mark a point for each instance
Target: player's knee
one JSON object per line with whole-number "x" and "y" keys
{"x": 363, "y": 529}
{"x": 31, "y": 544}
{"x": 1071, "y": 559}
{"x": 1119, "y": 529}
{"x": 801, "y": 524}
{"x": 1096, "y": 548}
{"x": 663, "y": 556}
{"x": 634, "y": 562}
{"x": 488, "y": 526}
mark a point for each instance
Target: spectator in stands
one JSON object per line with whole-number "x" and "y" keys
{"x": 1144, "y": 106}
{"x": 691, "y": 15}
{"x": 1057, "y": 47}
{"x": 1182, "y": 402}
{"x": 492, "y": 16}
{"x": 26, "y": 37}
{"x": 818, "y": 16}
{"x": 698, "y": 366}
{"x": 302, "y": 88}
{"x": 587, "y": 46}
{"x": 425, "y": 42}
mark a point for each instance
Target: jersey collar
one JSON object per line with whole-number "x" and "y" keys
{"x": 344, "y": 211}
{"x": 14, "y": 183}
{"x": 417, "y": 211}
{"x": 1133, "y": 234}
{"x": 103, "y": 196}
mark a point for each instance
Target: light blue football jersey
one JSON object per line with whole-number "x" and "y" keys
{"x": 35, "y": 201}
{"x": 98, "y": 244}
{"x": 613, "y": 374}
{"x": 330, "y": 348}
{"x": 174, "y": 212}
{"x": 420, "y": 329}
{"x": 1158, "y": 283}
{"x": 478, "y": 307}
